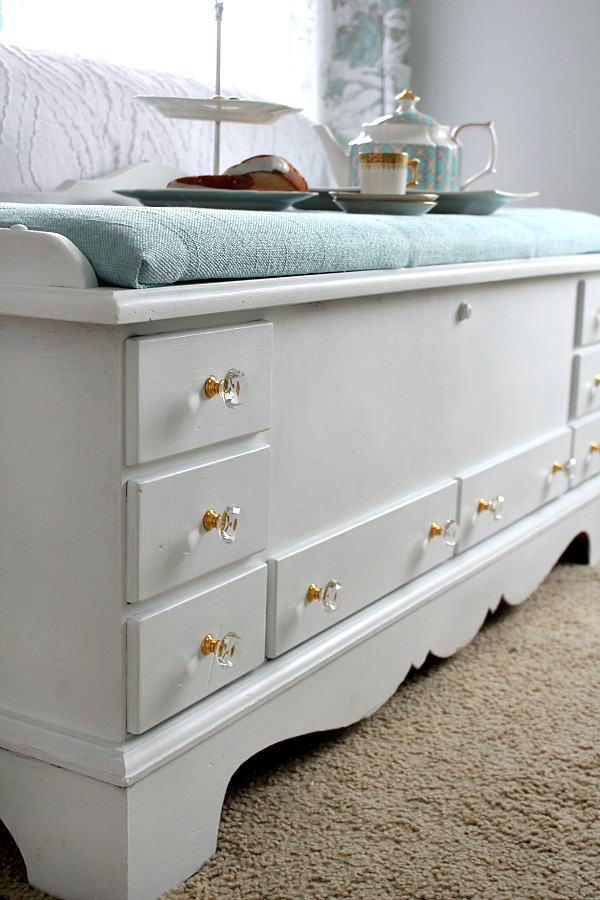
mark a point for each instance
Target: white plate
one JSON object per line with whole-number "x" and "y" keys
{"x": 416, "y": 204}
{"x": 217, "y": 198}
{"x": 476, "y": 203}
{"x": 221, "y": 109}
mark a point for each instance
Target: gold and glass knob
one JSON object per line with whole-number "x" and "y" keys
{"x": 232, "y": 388}
{"x": 224, "y": 648}
{"x": 494, "y": 506}
{"x": 326, "y": 595}
{"x": 568, "y": 467}
{"x": 594, "y": 447}
{"x": 227, "y": 524}
{"x": 448, "y": 531}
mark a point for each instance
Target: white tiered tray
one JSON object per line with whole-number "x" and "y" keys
{"x": 220, "y": 109}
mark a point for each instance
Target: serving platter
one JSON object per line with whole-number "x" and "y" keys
{"x": 218, "y": 198}
{"x": 476, "y": 203}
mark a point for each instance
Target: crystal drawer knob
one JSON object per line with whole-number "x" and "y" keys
{"x": 494, "y": 506}
{"x": 232, "y": 388}
{"x": 567, "y": 467}
{"x": 226, "y": 523}
{"x": 464, "y": 311}
{"x": 224, "y": 648}
{"x": 448, "y": 531}
{"x": 327, "y": 595}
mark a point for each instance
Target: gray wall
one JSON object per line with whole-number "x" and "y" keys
{"x": 533, "y": 67}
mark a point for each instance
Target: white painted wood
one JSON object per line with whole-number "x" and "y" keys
{"x": 586, "y": 439}
{"x": 42, "y": 258}
{"x": 401, "y": 395}
{"x": 179, "y": 301}
{"x": 126, "y": 306}
{"x": 524, "y": 481}
{"x": 62, "y": 651}
{"x": 167, "y": 542}
{"x": 586, "y": 381}
{"x": 588, "y": 330}
{"x": 71, "y": 829}
{"x": 547, "y": 532}
{"x": 537, "y": 538}
{"x": 368, "y": 560}
{"x": 167, "y": 408}
{"x": 166, "y": 669}
{"x": 381, "y": 393}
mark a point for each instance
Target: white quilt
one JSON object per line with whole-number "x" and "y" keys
{"x": 65, "y": 117}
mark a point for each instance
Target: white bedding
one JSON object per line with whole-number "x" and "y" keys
{"x": 65, "y": 117}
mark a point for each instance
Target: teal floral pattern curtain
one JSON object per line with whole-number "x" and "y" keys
{"x": 362, "y": 53}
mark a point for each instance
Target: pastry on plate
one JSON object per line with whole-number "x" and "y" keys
{"x": 257, "y": 173}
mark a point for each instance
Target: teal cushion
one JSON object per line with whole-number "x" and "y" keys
{"x": 148, "y": 246}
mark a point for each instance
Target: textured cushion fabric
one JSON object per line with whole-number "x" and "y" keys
{"x": 147, "y": 247}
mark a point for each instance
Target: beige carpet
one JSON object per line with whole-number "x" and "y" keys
{"x": 478, "y": 779}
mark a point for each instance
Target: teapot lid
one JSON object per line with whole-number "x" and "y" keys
{"x": 406, "y": 112}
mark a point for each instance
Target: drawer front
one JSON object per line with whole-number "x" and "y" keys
{"x": 524, "y": 482}
{"x": 168, "y": 543}
{"x": 586, "y": 382}
{"x": 586, "y": 448}
{"x": 588, "y": 313}
{"x": 167, "y": 669}
{"x": 167, "y": 407}
{"x": 368, "y": 561}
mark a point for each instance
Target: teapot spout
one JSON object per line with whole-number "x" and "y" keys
{"x": 337, "y": 157}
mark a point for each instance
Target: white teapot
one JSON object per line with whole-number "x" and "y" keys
{"x": 410, "y": 131}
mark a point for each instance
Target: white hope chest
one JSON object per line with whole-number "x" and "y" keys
{"x": 186, "y": 579}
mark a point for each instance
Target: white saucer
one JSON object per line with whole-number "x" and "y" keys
{"x": 416, "y": 203}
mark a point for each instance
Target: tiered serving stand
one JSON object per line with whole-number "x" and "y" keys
{"x": 219, "y": 108}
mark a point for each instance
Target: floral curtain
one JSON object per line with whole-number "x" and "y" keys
{"x": 362, "y": 55}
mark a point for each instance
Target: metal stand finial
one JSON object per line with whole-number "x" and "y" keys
{"x": 219, "y": 18}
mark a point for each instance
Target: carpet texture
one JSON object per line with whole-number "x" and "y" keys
{"x": 478, "y": 779}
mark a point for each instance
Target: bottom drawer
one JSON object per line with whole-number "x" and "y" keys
{"x": 167, "y": 667}
{"x": 586, "y": 448}
{"x": 366, "y": 561}
{"x": 502, "y": 493}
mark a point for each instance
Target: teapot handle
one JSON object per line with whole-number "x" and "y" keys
{"x": 490, "y": 167}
